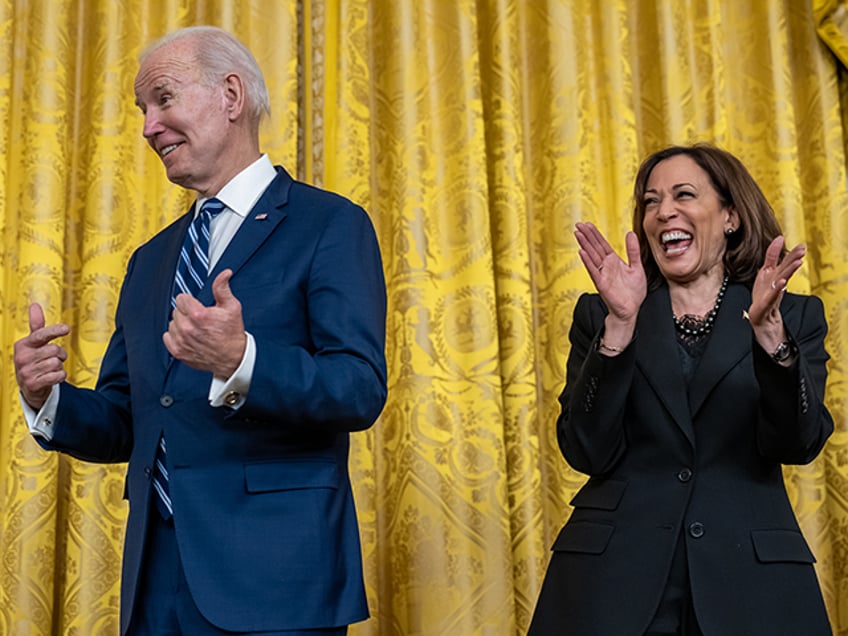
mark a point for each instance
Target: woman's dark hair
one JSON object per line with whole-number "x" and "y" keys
{"x": 736, "y": 188}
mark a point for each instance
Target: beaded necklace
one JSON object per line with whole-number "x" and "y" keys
{"x": 687, "y": 325}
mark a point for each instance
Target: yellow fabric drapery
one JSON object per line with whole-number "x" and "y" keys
{"x": 476, "y": 134}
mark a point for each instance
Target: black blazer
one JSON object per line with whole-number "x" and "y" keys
{"x": 703, "y": 460}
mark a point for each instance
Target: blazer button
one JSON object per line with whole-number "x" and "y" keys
{"x": 684, "y": 475}
{"x": 696, "y": 530}
{"x": 166, "y": 401}
{"x": 147, "y": 471}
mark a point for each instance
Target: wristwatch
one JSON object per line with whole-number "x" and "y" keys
{"x": 784, "y": 351}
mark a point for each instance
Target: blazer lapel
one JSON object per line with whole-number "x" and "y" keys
{"x": 261, "y": 221}
{"x": 730, "y": 342}
{"x": 658, "y": 358}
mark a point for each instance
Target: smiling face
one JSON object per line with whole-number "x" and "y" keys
{"x": 685, "y": 221}
{"x": 185, "y": 121}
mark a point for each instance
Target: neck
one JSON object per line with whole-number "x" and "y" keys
{"x": 696, "y": 297}
{"x": 242, "y": 149}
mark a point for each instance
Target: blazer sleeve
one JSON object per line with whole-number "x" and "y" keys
{"x": 338, "y": 383}
{"x": 96, "y": 425}
{"x": 793, "y": 421}
{"x": 590, "y": 428}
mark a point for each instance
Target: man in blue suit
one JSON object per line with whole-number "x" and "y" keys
{"x": 232, "y": 403}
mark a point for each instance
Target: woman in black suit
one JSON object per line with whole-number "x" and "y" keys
{"x": 692, "y": 377}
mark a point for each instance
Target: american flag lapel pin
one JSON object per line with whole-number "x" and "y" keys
{"x": 261, "y": 217}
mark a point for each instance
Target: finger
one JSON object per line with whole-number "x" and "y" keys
{"x": 185, "y": 304}
{"x": 592, "y": 269}
{"x": 594, "y": 238}
{"x": 786, "y": 273}
{"x": 631, "y": 242}
{"x": 168, "y": 341}
{"x": 586, "y": 244}
{"x": 593, "y": 242}
{"x": 49, "y": 360}
{"x": 221, "y": 288}
{"x": 40, "y": 335}
{"x": 36, "y": 317}
{"x": 794, "y": 257}
{"x": 773, "y": 252}
{"x": 790, "y": 264}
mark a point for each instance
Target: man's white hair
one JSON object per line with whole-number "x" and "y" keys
{"x": 219, "y": 53}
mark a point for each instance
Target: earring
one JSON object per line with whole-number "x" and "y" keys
{"x": 729, "y": 231}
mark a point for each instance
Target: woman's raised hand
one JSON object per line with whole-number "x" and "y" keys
{"x": 622, "y": 286}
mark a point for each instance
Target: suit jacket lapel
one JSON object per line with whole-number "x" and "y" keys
{"x": 730, "y": 342}
{"x": 658, "y": 358}
{"x": 261, "y": 221}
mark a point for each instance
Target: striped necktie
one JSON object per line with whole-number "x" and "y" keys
{"x": 193, "y": 268}
{"x": 192, "y": 272}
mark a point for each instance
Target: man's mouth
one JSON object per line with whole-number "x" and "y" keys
{"x": 675, "y": 241}
{"x": 164, "y": 152}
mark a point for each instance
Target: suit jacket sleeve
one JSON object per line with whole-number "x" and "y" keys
{"x": 96, "y": 426}
{"x": 590, "y": 428}
{"x": 793, "y": 423}
{"x": 336, "y": 378}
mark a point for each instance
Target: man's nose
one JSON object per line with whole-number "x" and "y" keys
{"x": 152, "y": 125}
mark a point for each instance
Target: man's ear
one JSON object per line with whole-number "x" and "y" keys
{"x": 234, "y": 96}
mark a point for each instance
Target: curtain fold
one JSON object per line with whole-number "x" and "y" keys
{"x": 476, "y": 133}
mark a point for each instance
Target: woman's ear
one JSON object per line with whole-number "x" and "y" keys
{"x": 731, "y": 222}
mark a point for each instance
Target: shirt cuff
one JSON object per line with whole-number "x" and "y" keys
{"x": 42, "y": 423}
{"x": 232, "y": 392}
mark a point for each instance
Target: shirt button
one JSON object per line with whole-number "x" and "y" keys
{"x": 166, "y": 401}
{"x": 684, "y": 475}
{"x": 696, "y": 530}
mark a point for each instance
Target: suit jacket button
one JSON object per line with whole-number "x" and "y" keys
{"x": 166, "y": 401}
{"x": 147, "y": 471}
{"x": 696, "y": 530}
{"x": 684, "y": 475}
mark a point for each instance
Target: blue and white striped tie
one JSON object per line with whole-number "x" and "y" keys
{"x": 193, "y": 268}
{"x": 192, "y": 272}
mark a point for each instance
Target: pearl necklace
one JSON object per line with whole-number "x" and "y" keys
{"x": 707, "y": 324}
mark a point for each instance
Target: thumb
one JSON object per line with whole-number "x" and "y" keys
{"x": 36, "y": 317}
{"x": 221, "y": 288}
{"x": 632, "y": 244}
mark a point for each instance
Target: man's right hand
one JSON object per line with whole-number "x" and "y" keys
{"x": 39, "y": 362}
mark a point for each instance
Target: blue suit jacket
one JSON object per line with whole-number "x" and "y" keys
{"x": 263, "y": 508}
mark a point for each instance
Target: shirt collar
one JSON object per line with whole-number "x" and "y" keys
{"x": 242, "y": 192}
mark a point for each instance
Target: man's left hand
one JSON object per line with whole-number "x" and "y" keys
{"x": 208, "y": 338}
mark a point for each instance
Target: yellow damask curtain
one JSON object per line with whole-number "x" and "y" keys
{"x": 476, "y": 132}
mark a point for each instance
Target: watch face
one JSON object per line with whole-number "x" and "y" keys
{"x": 782, "y": 352}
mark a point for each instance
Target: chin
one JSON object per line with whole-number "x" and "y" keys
{"x": 177, "y": 178}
